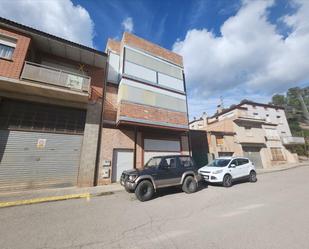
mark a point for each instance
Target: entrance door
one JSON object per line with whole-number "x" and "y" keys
{"x": 122, "y": 160}
{"x": 253, "y": 153}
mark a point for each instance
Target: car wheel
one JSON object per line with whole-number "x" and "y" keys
{"x": 252, "y": 176}
{"x": 189, "y": 185}
{"x": 227, "y": 181}
{"x": 144, "y": 191}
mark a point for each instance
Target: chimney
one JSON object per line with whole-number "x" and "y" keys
{"x": 205, "y": 119}
{"x": 219, "y": 109}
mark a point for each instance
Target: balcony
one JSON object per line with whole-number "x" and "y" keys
{"x": 272, "y": 137}
{"x": 53, "y": 76}
{"x": 293, "y": 140}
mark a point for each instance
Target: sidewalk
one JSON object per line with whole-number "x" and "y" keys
{"x": 44, "y": 195}
{"x": 282, "y": 167}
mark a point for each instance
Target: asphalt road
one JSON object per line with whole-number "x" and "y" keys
{"x": 272, "y": 213}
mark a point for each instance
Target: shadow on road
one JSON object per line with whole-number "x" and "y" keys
{"x": 174, "y": 190}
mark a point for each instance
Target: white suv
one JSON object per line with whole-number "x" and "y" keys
{"x": 227, "y": 169}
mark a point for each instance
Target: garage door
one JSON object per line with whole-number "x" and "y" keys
{"x": 33, "y": 159}
{"x": 122, "y": 160}
{"x": 253, "y": 153}
{"x": 158, "y": 147}
{"x": 40, "y": 145}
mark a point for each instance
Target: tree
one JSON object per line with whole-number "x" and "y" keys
{"x": 279, "y": 100}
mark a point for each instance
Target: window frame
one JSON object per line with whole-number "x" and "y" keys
{"x": 8, "y": 42}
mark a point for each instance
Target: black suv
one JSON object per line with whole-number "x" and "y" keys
{"x": 160, "y": 172}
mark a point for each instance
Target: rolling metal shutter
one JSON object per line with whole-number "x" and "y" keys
{"x": 25, "y": 165}
{"x": 156, "y": 147}
{"x": 253, "y": 153}
{"x": 40, "y": 145}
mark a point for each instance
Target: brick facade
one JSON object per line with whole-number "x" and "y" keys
{"x": 110, "y": 103}
{"x": 13, "y": 68}
{"x": 148, "y": 113}
{"x": 134, "y": 41}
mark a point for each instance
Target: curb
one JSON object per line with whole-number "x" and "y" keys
{"x": 44, "y": 199}
{"x": 283, "y": 169}
{"x": 53, "y": 199}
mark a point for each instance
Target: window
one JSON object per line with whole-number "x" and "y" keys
{"x": 242, "y": 161}
{"x": 169, "y": 162}
{"x": 7, "y": 47}
{"x": 277, "y": 154}
{"x": 219, "y": 140}
{"x": 186, "y": 161}
{"x": 219, "y": 163}
{"x": 234, "y": 162}
{"x": 22, "y": 115}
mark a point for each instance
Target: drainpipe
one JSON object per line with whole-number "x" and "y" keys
{"x": 188, "y": 132}
{"x": 99, "y": 143}
{"x": 135, "y": 141}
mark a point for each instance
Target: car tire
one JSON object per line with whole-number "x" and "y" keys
{"x": 144, "y": 190}
{"x": 189, "y": 185}
{"x": 252, "y": 176}
{"x": 227, "y": 181}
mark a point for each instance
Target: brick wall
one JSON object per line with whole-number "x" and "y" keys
{"x": 113, "y": 138}
{"x": 110, "y": 103}
{"x": 113, "y": 45}
{"x": 13, "y": 68}
{"x": 152, "y": 114}
{"x": 152, "y": 48}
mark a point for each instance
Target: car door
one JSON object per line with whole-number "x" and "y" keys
{"x": 245, "y": 167}
{"x": 166, "y": 173}
{"x": 235, "y": 171}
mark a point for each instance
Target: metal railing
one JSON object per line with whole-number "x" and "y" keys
{"x": 53, "y": 76}
{"x": 293, "y": 140}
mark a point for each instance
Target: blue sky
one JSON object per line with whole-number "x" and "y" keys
{"x": 232, "y": 48}
{"x": 159, "y": 21}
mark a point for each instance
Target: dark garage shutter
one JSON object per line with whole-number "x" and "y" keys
{"x": 40, "y": 145}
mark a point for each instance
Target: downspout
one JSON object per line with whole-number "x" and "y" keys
{"x": 188, "y": 132}
{"x": 135, "y": 141}
{"x": 99, "y": 143}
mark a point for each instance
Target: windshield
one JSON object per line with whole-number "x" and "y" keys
{"x": 153, "y": 162}
{"x": 219, "y": 163}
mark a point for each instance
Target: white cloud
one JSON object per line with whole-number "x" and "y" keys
{"x": 250, "y": 55}
{"x": 128, "y": 25}
{"x": 58, "y": 17}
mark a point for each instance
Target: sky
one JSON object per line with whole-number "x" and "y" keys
{"x": 233, "y": 49}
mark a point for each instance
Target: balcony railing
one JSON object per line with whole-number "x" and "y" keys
{"x": 54, "y": 76}
{"x": 293, "y": 140}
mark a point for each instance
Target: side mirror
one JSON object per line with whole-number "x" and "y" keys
{"x": 233, "y": 165}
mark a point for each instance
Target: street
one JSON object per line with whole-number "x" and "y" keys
{"x": 272, "y": 213}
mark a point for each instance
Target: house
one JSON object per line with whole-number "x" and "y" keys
{"x": 255, "y": 130}
{"x": 145, "y": 107}
{"x": 71, "y": 115}
{"x": 50, "y": 103}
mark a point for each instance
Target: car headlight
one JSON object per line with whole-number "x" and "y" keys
{"x": 218, "y": 171}
{"x": 132, "y": 178}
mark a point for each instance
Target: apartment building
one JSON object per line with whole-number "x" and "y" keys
{"x": 255, "y": 130}
{"x": 51, "y": 94}
{"x": 145, "y": 107}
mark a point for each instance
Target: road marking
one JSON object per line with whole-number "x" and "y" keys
{"x": 44, "y": 199}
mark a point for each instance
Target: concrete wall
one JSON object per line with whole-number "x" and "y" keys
{"x": 273, "y": 113}
{"x": 89, "y": 147}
